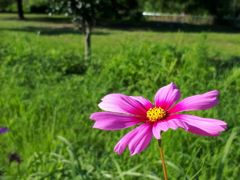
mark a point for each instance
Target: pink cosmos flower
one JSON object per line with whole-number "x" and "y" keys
{"x": 138, "y": 110}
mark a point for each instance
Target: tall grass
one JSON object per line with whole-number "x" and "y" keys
{"x": 46, "y": 103}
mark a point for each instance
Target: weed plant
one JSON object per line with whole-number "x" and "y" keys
{"x": 48, "y": 93}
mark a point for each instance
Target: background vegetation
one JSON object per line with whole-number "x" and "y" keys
{"x": 230, "y": 8}
{"x": 46, "y": 102}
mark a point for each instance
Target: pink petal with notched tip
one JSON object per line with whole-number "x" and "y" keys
{"x": 167, "y": 96}
{"x": 137, "y": 139}
{"x": 122, "y": 144}
{"x": 166, "y": 124}
{"x": 113, "y": 121}
{"x": 141, "y": 139}
{"x": 197, "y": 102}
{"x": 122, "y": 104}
{"x": 202, "y": 126}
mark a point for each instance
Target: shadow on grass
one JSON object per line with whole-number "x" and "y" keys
{"x": 125, "y": 25}
{"x": 35, "y": 18}
{"x": 222, "y": 65}
{"x": 225, "y": 27}
{"x": 77, "y": 69}
{"x": 50, "y": 30}
{"x": 154, "y": 27}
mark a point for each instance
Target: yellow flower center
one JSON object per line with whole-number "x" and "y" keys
{"x": 156, "y": 114}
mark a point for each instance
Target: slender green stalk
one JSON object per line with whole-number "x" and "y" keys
{"x": 19, "y": 171}
{"x": 163, "y": 163}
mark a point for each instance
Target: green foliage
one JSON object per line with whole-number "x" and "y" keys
{"x": 4, "y": 4}
{"x": 90, "y": 11}
{"x": 47, "y": 107}
{"x": 11, "y": 5}
{"x": 219, "y": 8}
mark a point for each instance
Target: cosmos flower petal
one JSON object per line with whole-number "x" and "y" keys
{"x": 137, "y": 139}
{"x": 170, "y": 122}
{"x": 122, "y": 144}
{"x": 141, "y": 140}
{"x": 202, "y": 126}
{"x": 175, "y": 123}
{"x": 167, "y": 96}
{"x": 197, "y": 102}
{"x": 144, "y": 102}
{"x": 162, "y": 126}
{"x": 122, "y": 104}
{"x": 155, "y": 131}
{"x": 3, "y": 130}
{"x": 114, "y": 121}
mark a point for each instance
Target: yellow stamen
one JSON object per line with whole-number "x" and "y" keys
{"x": 156, "y": 114}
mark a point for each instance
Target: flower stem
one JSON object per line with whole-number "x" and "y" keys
{"x": 163, "y": 163}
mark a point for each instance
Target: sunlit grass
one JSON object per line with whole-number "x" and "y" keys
{"x": 46, "y": 105}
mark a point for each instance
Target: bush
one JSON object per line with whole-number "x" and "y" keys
{"x": 40, "y": 8}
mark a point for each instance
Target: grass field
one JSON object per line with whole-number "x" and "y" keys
{"x": 48, "y": 93}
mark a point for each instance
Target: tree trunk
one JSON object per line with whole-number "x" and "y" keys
{"x": 20, "y": 9}
{"x": 86, "y": 29}
{"x": 88, "y": 43}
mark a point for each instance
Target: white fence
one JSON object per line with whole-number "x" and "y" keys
{"x": 179, "y": 18}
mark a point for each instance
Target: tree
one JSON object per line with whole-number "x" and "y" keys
{"x": 4, "y": 4}
{"x": 235, "y": 8}
{"x": 218, "y": 8}
{"x": 85, "y": 13}
{"x": 20, "y": 9}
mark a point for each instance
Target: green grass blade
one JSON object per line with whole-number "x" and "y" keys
{"x": 118, "y": 169}
{"x": 225, "y": 153}
{"x": 195, "y": 175}
{"x": 173, "y": 166}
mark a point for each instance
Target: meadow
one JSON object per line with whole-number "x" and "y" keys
{"x": 48, "y": 93}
